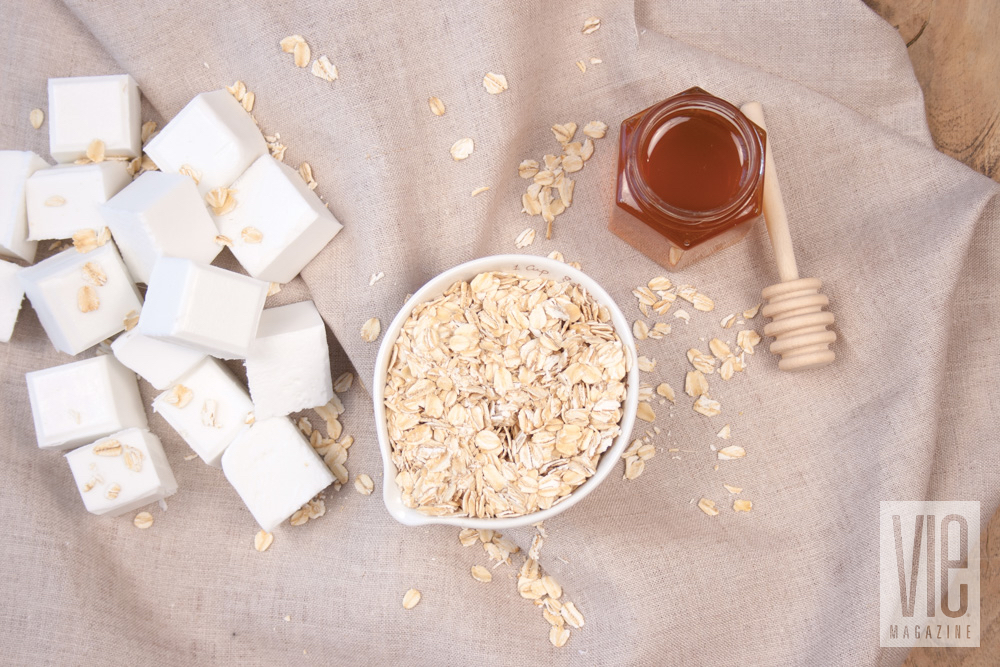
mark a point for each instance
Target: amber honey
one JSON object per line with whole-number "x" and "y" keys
{"x": 690, "y": 178}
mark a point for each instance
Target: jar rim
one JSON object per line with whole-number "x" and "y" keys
{"x": 696, "y": 99}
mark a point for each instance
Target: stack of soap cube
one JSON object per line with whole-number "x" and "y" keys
{"x": 193, "y": 313}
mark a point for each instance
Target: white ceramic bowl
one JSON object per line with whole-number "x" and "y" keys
{"x": 525, "y": 265}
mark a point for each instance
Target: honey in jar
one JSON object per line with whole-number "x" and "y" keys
{"x": 690, "y": 178}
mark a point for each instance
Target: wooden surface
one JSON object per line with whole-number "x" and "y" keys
{"x": 955, "y": 49}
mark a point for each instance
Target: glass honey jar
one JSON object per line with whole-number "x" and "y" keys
{"x": 690, "y": 178}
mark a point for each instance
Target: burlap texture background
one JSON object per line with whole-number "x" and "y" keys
{"x": 904, "y": 238}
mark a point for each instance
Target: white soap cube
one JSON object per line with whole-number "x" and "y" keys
{"x": 275, "y": 470}
{"x": 213, "y": 136}
{"x": 15, "y": 168}
{"x": 279, "y": 224}
{"x": 122, "y": 472}
{"x": 81, "y": 298}
{"x": 161, "y": 215}
{"x": 203, "y": 307}
{"x": 66, "y": 198}
{"x": 84, "y": 108}
{"x": 288, "y": 367}
{"x": 74, "y": 403}
{"x": 11, "y": 296}
{"x": 157, "y": 362}
{"x": 208, "y": 407}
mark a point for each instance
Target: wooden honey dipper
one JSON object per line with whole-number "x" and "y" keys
{"x": 795, "y": 306}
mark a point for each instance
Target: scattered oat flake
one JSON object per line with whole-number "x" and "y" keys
{"x": 751, "y": 313}
{"x": 719, "y": 349}
{"x": 645, "y": 412}
{"x": 558, "y": 636}
{"x": 727, "y": 321}
{"x": 411, "y": 598}
{"x": 179, "y": 396}
{"x": 747, "y": 340}
{"x": 525, "y": 238}
{"x": 659, "y": 330}
{"x": 324, "y": 69}
{"x": 706, "y": 406}
{"x": 564, "y": 133}
{"x": 251, "y": 235}
{"x": 590, "y": 25}
{"x": 640, "y": 330}
{"x": 55, "y": 200}
{"x": 732, "y": 452}
{"x": 85, "y": 240}
{"x": 248, "y": 101}
{"x": 595, "y": 129}
{"x": 375, "y": 277}
{"x": 343, "y": 382}
{"x": 86, "y": 299}
{"x": 221, "y": 200}
{"x": 302, "y": 54}
{"x": 595, "y": 61}
{"x": 527, "y": 168}
{"x": 702, "y": 303}
{"x": 494, "y": 83}
{"x": 732, "y": 489}
{"x": 148, "y": 130}
{"x": 479, "y": 191}
{"x": 130, "y": 320}
{"x": 702, "y": 362}
{"x": 666, "y": 391}
{"x": 436, "y": 106}
{"x": 133, "y": 458}
{"x": 572, "y": 615}
{"x": 480, "y": 573}
{"x": 742, "y": 506}
{"x": 364, "y": 484}
{"x": 634, "y": 466}
{"x": 94, "y": 274}
{"x": 288, "y": 43}
{"x": 582, "y": 66}
{"x": 113, "y": 492}
{"x": 683, "y": 314}
{"x": 95, "y": 151}
{"x": 143, "y": 520}
{"x": 646, "y": 365}
{"x": 262, "y": 540}
{"x": 725, "y": 433}
{"x": 36, "y": 117}
{"x": 708, "y": 507}
{"x": 462, "y": 149}
{"x": 370, "y": 330}
{"x": 108, "y": 448}
{"x": 190, "y": 457}
{"x": 188, "y": 170}
{"x": 224, "y": 241}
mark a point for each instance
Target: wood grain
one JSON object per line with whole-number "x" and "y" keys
{"x": 955, "y": 49}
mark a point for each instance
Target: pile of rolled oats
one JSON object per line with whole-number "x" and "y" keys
{"x": 532, "y": 582}
{"x": 501, "y": 395}
{"x": 551, "y": 191}
{"x": 723, "y": 359}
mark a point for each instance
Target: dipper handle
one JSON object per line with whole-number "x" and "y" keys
{"x": 795, "y": 305}
{"x": 774, "y": 207}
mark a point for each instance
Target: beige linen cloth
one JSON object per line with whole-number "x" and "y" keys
{"x": 904, "y": 238}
